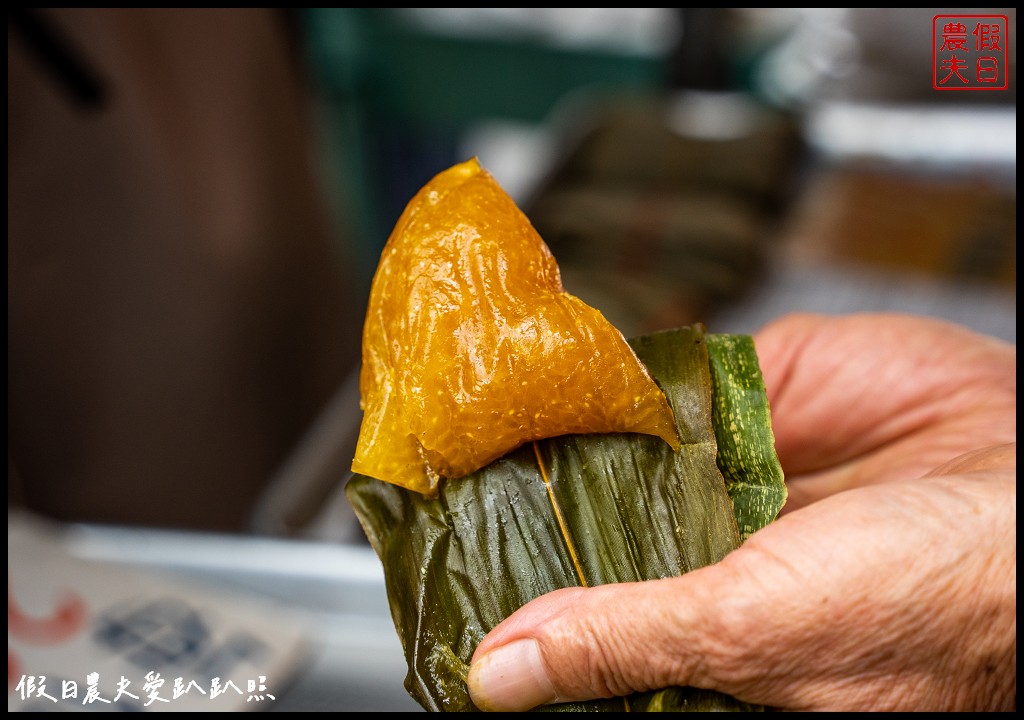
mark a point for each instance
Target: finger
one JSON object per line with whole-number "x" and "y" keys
{"x": 582, "y": 643}
{"x": 995, "y": 457}
{"x": 842, "y": 388}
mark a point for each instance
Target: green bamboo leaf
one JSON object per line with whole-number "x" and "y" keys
{"x": 746, "y": 443}
{"x": 563, "y": 512}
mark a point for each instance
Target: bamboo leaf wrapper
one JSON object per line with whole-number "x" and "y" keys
{"x": 579, "y": 510}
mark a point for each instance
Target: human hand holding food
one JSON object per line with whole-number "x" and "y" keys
{"x": 889, "y": 584}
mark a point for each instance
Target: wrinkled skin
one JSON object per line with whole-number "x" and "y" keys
{"x": 889, "y": 583}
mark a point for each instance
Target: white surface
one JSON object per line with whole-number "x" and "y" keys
{"x": 329, "y": 600}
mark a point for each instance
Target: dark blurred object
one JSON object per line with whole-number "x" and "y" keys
{"x": 177, "y": 310}
{"x": 664, "y": 206}
{"x": 702, "y": 56}
{"x": 51, "y": 49}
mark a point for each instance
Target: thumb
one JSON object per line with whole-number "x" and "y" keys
{"x": 584, "y": 643}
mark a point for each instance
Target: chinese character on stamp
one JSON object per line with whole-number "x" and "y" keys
{"x": 969, "y": 52}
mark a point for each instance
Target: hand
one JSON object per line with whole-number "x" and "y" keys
{"x": 890, "y": 582}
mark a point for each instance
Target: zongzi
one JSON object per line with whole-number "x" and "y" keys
{"x": 526, "y": 446}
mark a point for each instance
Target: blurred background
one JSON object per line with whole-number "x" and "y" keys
{"x": 197, "y": 200}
